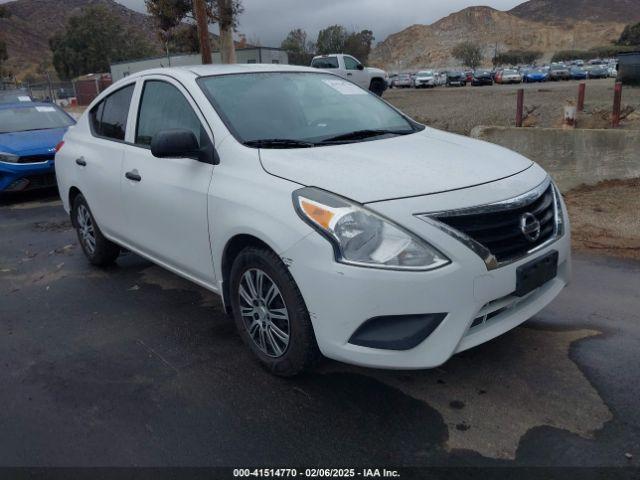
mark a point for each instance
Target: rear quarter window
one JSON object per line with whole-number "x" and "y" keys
{"x": 109, "y": 117}
{"x": 327, "y": 62}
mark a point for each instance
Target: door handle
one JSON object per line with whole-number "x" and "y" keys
{"x": 80, "y": 161}
{"x": 133, "y": 175}
{"x": 349, "y": 74}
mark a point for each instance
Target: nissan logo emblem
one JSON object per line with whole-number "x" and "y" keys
{"x": 530, "y": 227}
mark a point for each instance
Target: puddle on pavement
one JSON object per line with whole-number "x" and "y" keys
{"x": 491, "y": 396}
{"x": 168, "y": 281}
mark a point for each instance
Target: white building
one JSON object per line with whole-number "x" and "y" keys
{"x": 120, "y": 70}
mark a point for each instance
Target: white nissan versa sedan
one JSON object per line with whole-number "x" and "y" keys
{"x": 329, "y": 222}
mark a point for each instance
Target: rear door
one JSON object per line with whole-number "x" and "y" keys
{"x": 165, "y": 199}
{"x": 98, "y": 159}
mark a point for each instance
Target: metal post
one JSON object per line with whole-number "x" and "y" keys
{"x": 581, "y": 91}
{"x": 203, "y": 31}
{"x": 617, "y": 102}
{"x": 520, "y": 107}
{"x": 50, "y": 88}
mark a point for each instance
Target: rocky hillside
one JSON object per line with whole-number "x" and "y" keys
{"x": 32, "y": 22}
{"x": 560, "y": 12}
{"x": 431, "y": 45}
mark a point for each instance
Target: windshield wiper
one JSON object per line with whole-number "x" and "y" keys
{"x": 362, "y": 134}
{"x": 279, "y": 143}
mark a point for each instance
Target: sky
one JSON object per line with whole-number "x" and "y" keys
{"x": 268, "y": 21}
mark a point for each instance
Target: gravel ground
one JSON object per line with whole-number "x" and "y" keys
{"x": 605, "y": 218}
{"x": 460, "y": 109}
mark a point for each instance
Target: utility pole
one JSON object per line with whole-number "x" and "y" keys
{"x": 200, "y": 12}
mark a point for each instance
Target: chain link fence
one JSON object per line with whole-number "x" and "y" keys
{"x": 43, "y": 89}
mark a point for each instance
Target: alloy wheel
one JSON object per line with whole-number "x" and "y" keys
{"x": 264, "y": 312}
{"x": 86, "y": 229}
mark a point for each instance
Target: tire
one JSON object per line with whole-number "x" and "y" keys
{"x": 98, "y": 250}
{"x": 377, "y": 87}
{"x": 261, "y": 321}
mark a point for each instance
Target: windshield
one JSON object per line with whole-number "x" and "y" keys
{"x": 22, "y": 119}
{"x": 425, "y": 73}
{"x": 14, "y": 97}
{"x": 298, "y": 106}
{"x": 510, "y": 72}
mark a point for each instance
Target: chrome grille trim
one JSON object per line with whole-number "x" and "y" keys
{"x": 515, "y": 203}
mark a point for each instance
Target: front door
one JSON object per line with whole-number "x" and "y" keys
{"x": 354, "y": 73}
{"x": 165, "y": 199}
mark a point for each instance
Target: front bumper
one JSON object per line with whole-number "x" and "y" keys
{"x": 26, "y": 176}
{"x": 479, "y": 304}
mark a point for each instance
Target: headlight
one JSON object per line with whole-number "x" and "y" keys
{"x": 557, "y": 198}
{"x": 361, "y": 237}
{"x": 9, "y": 157}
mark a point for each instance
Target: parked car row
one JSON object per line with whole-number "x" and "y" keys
{"x": 572, "y": 70}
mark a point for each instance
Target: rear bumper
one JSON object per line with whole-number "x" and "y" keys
{"x": 16, "y": 177}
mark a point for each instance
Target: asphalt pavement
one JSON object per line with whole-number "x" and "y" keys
{"x": 134, "y": 366}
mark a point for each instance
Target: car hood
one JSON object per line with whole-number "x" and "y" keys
{"x": 35, "y": 142}
{"x": 423, "y": 163}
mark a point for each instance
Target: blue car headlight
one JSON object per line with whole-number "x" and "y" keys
{"x": 9, "y": 157}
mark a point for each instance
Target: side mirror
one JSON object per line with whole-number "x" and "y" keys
{"x": 182, "y": 143}
{"x": 360, "y": 66}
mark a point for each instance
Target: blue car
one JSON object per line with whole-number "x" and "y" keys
{"x": 29, "y": 133}
{"x": 578, "y": 73}
{"x": 535, "y": 76}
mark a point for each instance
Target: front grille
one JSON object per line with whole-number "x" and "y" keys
{"x": 41, "y": 181}
{"x": 35, "y": 158}
{"x": 498, "y": 228}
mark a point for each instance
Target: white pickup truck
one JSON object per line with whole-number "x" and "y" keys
{"x": 349, "y": 67}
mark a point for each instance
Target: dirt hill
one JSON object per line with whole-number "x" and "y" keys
{"x": 431, "y": 45}
{"x": 32, "y": 22}
{"x": 560, "y": 12}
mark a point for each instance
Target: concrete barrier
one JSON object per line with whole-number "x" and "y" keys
{"x": 572, "y": 156}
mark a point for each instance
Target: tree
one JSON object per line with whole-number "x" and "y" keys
{"x": 298, "y": 47}
{"x": 358, "y": 44}
{"x": 468, "y": 54}
{"x": 296, "y": 41}
{"x": 4, "y": 56}
{"x": 185, "y": 39}
{"x": 227, "y": 16}
{"x": 93, "y": 40}
{"x": 630, "y": 36}
{"x": 331, "y": 40}
{"x": 169, "y": 15}
{"x": 516, "y": 57}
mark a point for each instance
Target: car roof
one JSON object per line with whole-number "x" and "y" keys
{"x": 226, "y": 69}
